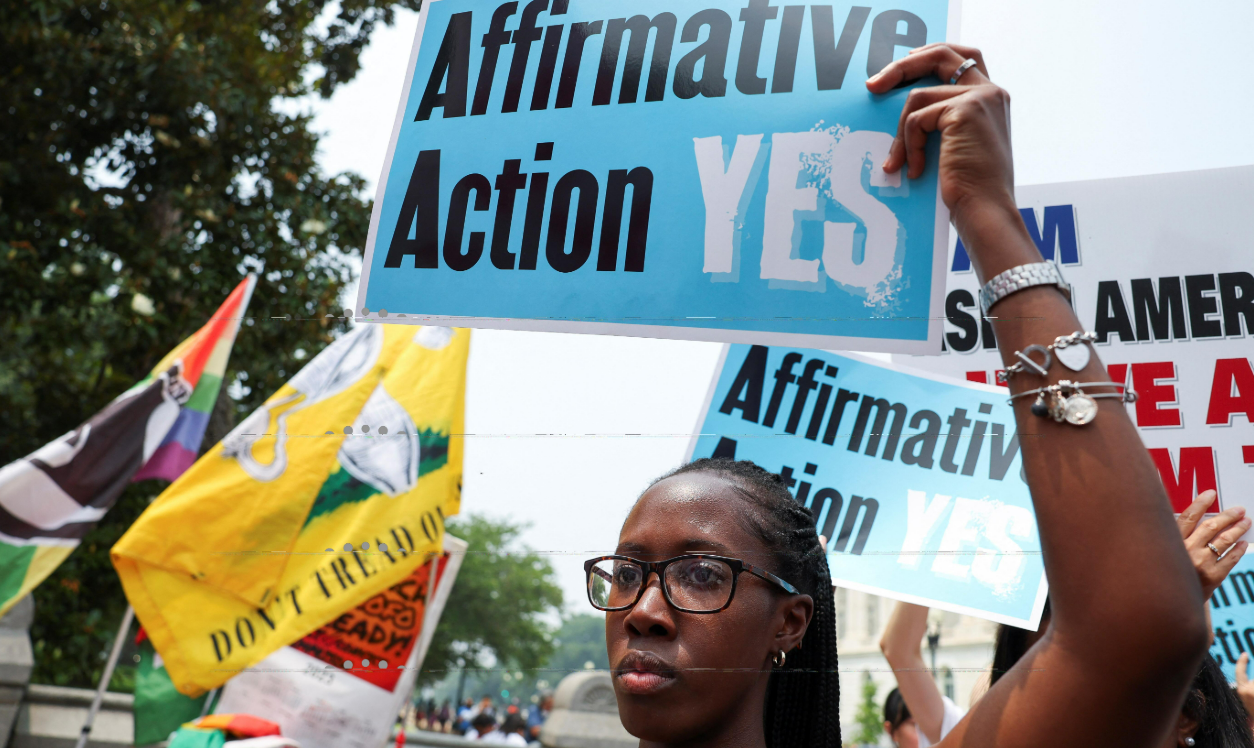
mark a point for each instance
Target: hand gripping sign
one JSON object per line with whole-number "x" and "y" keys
{"x": 542, "y": 176}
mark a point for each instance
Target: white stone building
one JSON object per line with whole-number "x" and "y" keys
{"x": 963, "y": 656}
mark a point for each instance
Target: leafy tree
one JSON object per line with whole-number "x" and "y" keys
{"x": 578, "y": 645}
{"x": 868, "y": 718}
{"x": 580, "y": 641}
{"x": 496, "y": 614}
{"x": 150, "y": 157}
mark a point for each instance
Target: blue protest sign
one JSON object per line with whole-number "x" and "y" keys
{"x": 916, "y": 480}
{"x": 1232, "y": 614}
{"x": 541, "y": 176}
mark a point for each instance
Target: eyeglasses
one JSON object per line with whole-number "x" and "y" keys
{"x": 692, "y": 583}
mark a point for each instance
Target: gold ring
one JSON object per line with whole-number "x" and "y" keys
{"x": 1218, "y": 553}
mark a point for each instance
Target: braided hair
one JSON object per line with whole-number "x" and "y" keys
{"x": 803, "y": 697}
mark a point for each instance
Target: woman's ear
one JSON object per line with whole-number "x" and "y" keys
{"x": 888, "y": 728}
{"x": 1186, "y": 728}
{"x": 797, "y": 612}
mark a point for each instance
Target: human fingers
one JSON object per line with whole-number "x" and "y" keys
{"x": 1208, "y": 528}
{"x": 966, "y": 52}
{"x": 1243, "y": 675}
{"x": 1188, "y": 519}
{"x": 941, "y": 61}
{"x": 919, "y": 98}
{"x": 1227, "y": 539}
{"x": 1230, "y": 558}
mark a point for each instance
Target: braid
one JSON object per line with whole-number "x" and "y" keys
{"x": 803, "y": 698}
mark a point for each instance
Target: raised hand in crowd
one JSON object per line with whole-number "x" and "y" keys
{"x": 1128, "y": 629}
{"x": 1213, "y": 543}
{"x": 934, "y": 714}
{"x": 1245, "y": 687}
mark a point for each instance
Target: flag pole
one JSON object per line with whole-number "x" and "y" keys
{"x": 204, "y": 710}
{"x": 105, "y": 677}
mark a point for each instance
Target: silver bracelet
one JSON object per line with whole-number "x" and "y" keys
{"x": 1067, "y": 400}
{"x": 1068, "y": 348}
{"x": 1072, "y": 351}
{"x": 1020, "y": 278}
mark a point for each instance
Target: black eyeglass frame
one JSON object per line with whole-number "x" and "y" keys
{"x": 659, "y": 567}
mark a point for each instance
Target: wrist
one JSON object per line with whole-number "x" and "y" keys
{"x": 994, "y": 235}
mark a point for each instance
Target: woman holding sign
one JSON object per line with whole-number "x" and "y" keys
{"x": 719, "y": 610}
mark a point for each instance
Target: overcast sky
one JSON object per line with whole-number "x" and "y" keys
{"x": 1101, "y": 88}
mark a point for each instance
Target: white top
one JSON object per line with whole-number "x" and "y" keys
{"x": 950, "y": 717}
{"x": 498, "y": 737}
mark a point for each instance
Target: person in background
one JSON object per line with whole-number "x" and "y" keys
{"x": 898, "y": 723}
{"x": 442, "y": 717}
{"x": 483, "y": 727}
{"x": 486, "y": 706}
{"x": 465, "y": 714}
{"x": 1213, "y": 715}
{"x": 934, "y": 714}
{"x": 1245, "y": 686}
{"x": 514, "y": 729}
{"x": 538, "y": 714}
{"x": 1209, "y": 712}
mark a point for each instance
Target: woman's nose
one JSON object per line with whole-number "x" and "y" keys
{"x": 652, "y": 615}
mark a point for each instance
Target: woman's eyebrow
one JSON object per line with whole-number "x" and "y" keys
{"x": 703, "y": 542}
{"x": 630, "y": 547}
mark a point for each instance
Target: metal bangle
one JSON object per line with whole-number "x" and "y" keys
{"x": 1067, "y": 401}
{"x": 1128, "y": 395}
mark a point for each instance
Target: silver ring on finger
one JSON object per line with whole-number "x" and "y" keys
{"x": 1218, "y": 553}
{"x": 966, "y": 65}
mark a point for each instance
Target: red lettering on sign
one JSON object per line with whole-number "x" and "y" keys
{"x": 1231, "y": 392}
{"x": 1118, "y": 373}
{"x": 1150, "y": 394}
{"x": 1196, "y": 474}
{"x": 1247, "y": 454}
{"x": 977, "y": 376}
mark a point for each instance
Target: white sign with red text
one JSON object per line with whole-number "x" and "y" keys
{"x": 1162, "y": 270}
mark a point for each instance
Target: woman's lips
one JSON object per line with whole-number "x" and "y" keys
{"x": 638, "y": 682}
{"x": 644, "y": 673}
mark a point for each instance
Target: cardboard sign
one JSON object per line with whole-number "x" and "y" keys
{"x": 542, "y": 176}
{"x": 1162, "y": 271}
{"x": 916, "y": 480}
{"x": 1232, "y": 615}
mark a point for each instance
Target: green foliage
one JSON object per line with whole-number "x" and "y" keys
{"x": 580, "y": 641}
{"x": 496, "y": 613}
{"x": 151, "y": 154}
{"x": 869, "y": 719}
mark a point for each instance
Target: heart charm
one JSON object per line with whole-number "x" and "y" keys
{"x": 1075, "y": 356}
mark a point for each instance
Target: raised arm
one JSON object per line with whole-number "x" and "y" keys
{"x": 1128, "y": 629}
{"x": 900, "y": 645}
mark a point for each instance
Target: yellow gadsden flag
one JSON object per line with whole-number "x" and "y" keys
{"x": 331, "y": 492}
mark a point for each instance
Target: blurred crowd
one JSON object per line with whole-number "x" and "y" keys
{"x": 512, "y": 723}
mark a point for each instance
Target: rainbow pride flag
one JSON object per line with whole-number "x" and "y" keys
{"x": 53, "y": 496}
{"x": 204, "y": 357}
